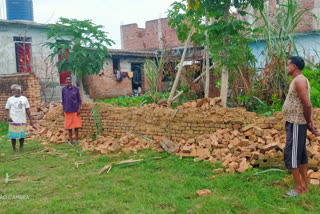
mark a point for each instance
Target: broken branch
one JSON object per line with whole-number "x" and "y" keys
{"x": 109, "y": 166}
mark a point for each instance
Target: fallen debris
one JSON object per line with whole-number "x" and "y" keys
{"x": 109, "y": 166}
{"x": 201, "y": 158}
{"x": 78, "y": 163}
{"x": 169, "y": 146}
{"x": 203, "y": 192}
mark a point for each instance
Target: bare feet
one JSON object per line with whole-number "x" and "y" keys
{"x": 305, "y": 189}
{"x": 299, "y": 190}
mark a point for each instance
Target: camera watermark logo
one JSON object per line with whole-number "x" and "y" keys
{"x": 5, "y": 198}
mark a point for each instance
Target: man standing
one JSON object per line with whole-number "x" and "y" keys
{"x": 71, "y": 102}
{"x": 16, "y": 108}
{"x": 297, "y": 112}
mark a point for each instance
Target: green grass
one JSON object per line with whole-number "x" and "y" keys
{"x": 166, "y": 185}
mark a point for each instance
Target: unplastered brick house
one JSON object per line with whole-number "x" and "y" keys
{"x": 158, "y": 36}
{"x": 122, "y": 74}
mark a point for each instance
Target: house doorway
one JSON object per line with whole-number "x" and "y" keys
{"x": 136, "y": 68}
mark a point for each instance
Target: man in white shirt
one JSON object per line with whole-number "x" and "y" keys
{"x": 16, "y": 108}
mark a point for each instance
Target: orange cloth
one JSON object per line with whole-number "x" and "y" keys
{"x": 72, "y": 120}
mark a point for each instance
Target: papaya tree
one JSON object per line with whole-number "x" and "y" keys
{"x": 80, "y": 45}
{"x": 228, "y": 35}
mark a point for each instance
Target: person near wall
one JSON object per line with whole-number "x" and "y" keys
{"x": 298, "y": 114}
{"x": 71, "y": 102}
{"x": 17, "y": 107}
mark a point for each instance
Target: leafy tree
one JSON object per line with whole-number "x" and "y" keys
{"x": 228, "y": 35}
{"x": 82, "y": 46}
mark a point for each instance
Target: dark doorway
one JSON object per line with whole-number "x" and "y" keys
{"x": 136, "y": 68}
{"x": 116, "y": 64}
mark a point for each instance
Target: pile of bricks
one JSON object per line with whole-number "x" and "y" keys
{"x": 251, "y": 146}
{"x": 201, "y": 129}
{"x": 52, "y": 135}
{"x": 127, "y": 143}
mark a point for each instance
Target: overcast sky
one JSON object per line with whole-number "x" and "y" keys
{"x": 109, "y": 13}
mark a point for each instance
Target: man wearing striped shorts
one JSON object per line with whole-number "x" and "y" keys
{"x": 297, "y": 112}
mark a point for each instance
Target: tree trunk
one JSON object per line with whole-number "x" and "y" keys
{"x": 81, "y": 88}
{"x": 224, "y": 85}
{"x": 207, "y": 87}
{"x": 176, "y": 80}
{"x": 224, "y": 73}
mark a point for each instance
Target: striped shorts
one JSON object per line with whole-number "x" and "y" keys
{"x": 295, "y": 152}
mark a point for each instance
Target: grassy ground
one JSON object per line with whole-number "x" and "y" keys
{"x": 167, "y": 185}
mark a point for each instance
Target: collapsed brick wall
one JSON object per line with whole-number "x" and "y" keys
{"x": 188, "y": 121}
{"x": 238, "y": 139}
{"x": 30, "y": 89}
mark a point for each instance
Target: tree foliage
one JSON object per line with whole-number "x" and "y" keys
{"x": 230, "y": 35}
{"x": 82, "y": 46}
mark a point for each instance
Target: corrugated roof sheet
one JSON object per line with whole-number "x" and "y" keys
{"x": 121, "y": 52}
{"x": 23, "y": 23}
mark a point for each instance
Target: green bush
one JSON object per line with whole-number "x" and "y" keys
{"x": 145, "y": 99}
{"x": 128, "y": 101}
{"x": 252, "y": 103}
{"x": 314, "y": 80}
{"x": 261, "y": 108}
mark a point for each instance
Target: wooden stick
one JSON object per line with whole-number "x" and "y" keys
{"x": 173, "y": 99}
{"x": 175, "y": 84}
{"x": 203, "y": 73}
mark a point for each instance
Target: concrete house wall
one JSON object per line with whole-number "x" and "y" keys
{"x": 42, "y": 67}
